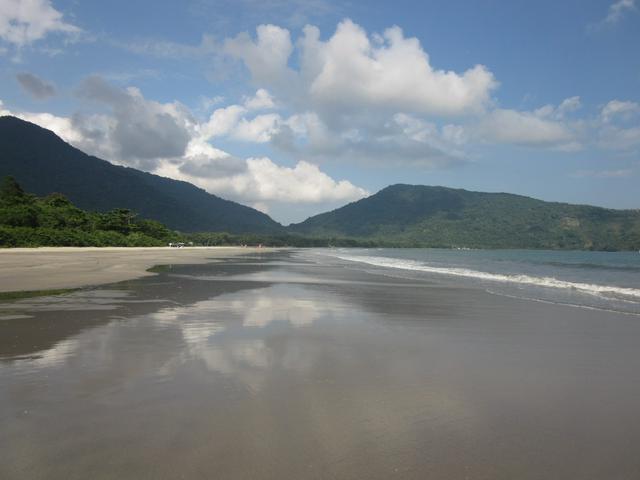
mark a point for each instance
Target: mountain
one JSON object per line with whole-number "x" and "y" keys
{"x": 421, "y": 216}
{"x": 43, "y": 163}
{"x": 399, "y": 215}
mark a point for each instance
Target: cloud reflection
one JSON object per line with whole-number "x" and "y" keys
{"x": 227, "y": 333}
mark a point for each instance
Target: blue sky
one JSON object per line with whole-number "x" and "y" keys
{"x": 296, "y": 107}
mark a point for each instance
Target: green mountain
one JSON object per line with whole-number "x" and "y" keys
{"x": 423, "y": 216}
{"x": 43, "y": 163}
{"x": 399, "y": 215}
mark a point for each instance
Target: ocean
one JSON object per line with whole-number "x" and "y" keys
{"x": 602, "y": 280}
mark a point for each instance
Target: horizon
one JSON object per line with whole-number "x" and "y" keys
{"x": 298, "y": 109}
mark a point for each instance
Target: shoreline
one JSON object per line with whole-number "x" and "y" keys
{"x": 53, "y": 268}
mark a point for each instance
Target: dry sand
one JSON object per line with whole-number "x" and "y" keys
{"x": 70, "y": 267}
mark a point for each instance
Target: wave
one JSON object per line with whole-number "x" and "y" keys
{"x": 548, "y": 282}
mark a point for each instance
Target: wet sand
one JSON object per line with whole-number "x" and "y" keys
{"x": 272, "y": 366}
{"x": 26, "y": 269}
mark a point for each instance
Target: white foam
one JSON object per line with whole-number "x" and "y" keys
{"x": 549, "y": 282}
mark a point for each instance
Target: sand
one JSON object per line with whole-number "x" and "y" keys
{"x": 283, "y": 365}
{"x": 50, "y": 268}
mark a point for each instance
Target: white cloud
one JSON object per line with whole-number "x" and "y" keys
{"x": 617, "y": 108}
{"x": 373, "y": 98}
{"x": 347, "y": 95}
{"x": 260, "y": 129}
{"x": 221, "y": 122}
{"x": 351, "y": 71}
{"x": 262, "y": 100}
{"x": 402, "y": 138}
{"x": 25, "y": 21}
{"x": 568, "y": 105}
{"x": 230, "y": 120}
{"x": 522, "y": 128}
{"x": 302, "y": 183}
{"x": 260, "y": 181}
{"x": 619, "y": 138}
{"x": 544, "y": 127}
{"x": 267, "y": 57}
{"x": 618, "y": 9}
{"x": 616, "y": 128}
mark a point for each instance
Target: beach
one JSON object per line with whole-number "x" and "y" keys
{"x": 285, "y": 364}
{"x": 51, "y": 268}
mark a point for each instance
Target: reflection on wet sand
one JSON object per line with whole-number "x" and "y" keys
{"x": 55, "y": 318}
{"x": 338, "y": 375}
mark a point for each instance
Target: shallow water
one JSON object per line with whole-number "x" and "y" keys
{"x": 603, "y": 280}
{"x": 282, "y": 367}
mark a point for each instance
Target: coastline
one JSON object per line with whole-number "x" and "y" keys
{"x": 52, "y": 268}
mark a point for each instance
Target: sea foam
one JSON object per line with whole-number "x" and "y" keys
{"x": 548, "y": 282}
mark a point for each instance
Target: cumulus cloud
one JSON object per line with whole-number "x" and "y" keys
{"x": 235, "y": 121}
{"x": 368, "y": 97}
{"x": 35, "y": 86}
{"x": 352, "y": 71}
{"x": 260, "y": 101}
{"x": 392, "y": 72}
{"x": 523, "y": 128}
{"x": 25, "y": 21}
{"x": 260, "y": 181}
{"x": 259, "y": 129}
{"x": 546, "y": 127}
{"x": 267, "y": 56}
{"x": 618, "y": 108}
{"x": 346, "y": 96}
{"x": 142, "y": 130}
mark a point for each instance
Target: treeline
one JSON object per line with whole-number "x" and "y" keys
{"x": 29, "y": 221}
{"x": 278, "y": 240}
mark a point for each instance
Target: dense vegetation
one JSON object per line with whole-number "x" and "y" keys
{"x": 43, "y": 163}
{"x": 421, "y": 216}
{"x": 29, "y": 221}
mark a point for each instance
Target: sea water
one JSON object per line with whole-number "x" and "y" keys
{"x": 602, "y": 280}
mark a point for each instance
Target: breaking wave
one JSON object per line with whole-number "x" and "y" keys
{"x": 547, "y": 282}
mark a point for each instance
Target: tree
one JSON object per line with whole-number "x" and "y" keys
{"x": 119, "y": 220}
{"x": 11, "y": 193}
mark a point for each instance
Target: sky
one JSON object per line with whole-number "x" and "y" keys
{"x": 296, "y": 107}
